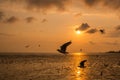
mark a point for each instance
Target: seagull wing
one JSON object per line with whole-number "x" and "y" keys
{"x": 64, "y": 46}
{"x": 83, "y": 62}
{"x": 102, "y": 31}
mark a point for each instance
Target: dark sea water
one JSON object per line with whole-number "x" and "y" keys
{"x": 59, "y": 67}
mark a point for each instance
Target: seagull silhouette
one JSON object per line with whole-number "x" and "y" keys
{"x": 39, "y": 45}
{"x": 102, "y": 31}
{"x": 64, "y": 47}
{"x": 27, "y": 46}
{"x": 82, "y": 64}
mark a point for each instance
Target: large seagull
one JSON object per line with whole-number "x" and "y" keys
{"x": 64, "y": 47}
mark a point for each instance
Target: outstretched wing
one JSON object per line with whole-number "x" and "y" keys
{"x": 102, "y": 31}
{"x": 64, "y": 46}
{"x": 82, "y": 62}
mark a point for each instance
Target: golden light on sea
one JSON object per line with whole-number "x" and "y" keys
{"x": 78, "y": 72}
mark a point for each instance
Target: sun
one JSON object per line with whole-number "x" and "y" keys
{"x": 78, "y": 32}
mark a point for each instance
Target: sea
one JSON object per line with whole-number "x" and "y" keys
{"x": 47, "y": 66}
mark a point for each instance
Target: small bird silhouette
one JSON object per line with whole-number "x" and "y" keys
{"x": 39, "y": 45}
{"x": 27, "y": 46}
{"x": 81, "y": 50}
{"x": 64, "y": 47}
{"x": 102, "y": 31}
{"x": 82, "y": 64}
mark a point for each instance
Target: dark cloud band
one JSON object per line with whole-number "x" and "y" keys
{"x": 1, "y": 15}
{"x": 46, "y": 4}
{"x": 11, "y": 19}
{"x": 62, "y": 4}
{"x": 29, "y": 19}
{"x": 5, "y": 34}
{"x": 113, "y": 4}
{"x": 92, "y": 31}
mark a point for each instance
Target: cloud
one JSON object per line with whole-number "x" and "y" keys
{"x": 5, "y": 34}
{"x": 78, "y": 15}
{"x": 91, "y": 42}
{"x": 91, "y": 31}
{"x": 44, "y": 20}
{"x": 113, "y": 4}
{"x": 11, "y": 19}
{"x": 91, "y": 2}
{"x": 83, "y": 27}
{"x": 2, "y": 1}
{"x": 38, "y": 5}
{"x": 47, "y": 4}
{"x": 102, "y": 31}
{"x": 111, "y": 43}
{"x": 29, "y": 19}
{"x": 118, "y": 27}
{"x": 1, "y": 15}
{"x": 62, "y": 5}
{"x": 115, "y": 33}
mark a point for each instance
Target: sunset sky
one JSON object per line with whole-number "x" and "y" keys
{"x": 44, "y": 25}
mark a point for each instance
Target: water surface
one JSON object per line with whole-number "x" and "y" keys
{"x": 59, "y": 67}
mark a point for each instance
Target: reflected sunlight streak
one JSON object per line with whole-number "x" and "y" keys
{"x": 79, "y": 53}
{"x": 77, "y": 71}
{"x": 78, "y": 74}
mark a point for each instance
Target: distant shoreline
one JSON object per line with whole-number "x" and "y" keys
{"x": 113, "y": 51}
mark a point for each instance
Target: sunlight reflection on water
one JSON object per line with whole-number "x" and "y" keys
{"x": 79, "y": 72}
{"x": 79, "y": 53}
{"x": 60, "y": 67}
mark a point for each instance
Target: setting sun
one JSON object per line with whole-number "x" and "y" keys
{"x": 78, "y": 32}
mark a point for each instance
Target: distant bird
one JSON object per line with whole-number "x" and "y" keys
{"x": 82, "y": 64}
{"x": 27, "y": 46}
{"x": 64, "y": 47}
{"x": 81, "y": 50}
{"x": 39, "y": 45}
{"x": 102, "y": 31}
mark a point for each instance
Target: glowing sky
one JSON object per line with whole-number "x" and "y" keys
{"x": 43, "y": 25}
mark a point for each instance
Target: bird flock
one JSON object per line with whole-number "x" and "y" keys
{"x": 63, "y": 49}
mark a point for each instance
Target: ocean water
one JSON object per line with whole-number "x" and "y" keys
{"x": 59, "y": 67}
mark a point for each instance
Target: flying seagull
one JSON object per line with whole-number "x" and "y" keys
{"x": 64, "y": 47}
{"x": 39, "y": 45}
{"x": 82, "y": 64}
{"x": 102, "y": 31}
{"x": 81, "y": 50}
{"x": 27, "y": 46}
